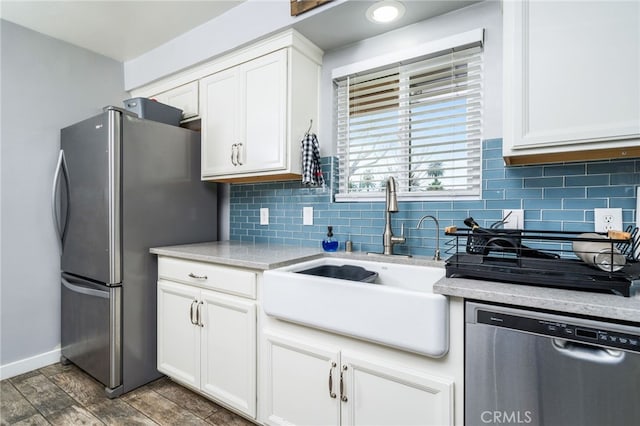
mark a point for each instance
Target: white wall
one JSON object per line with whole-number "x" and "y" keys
{"x": 46, "y": 84}
{"x": 241, "y": 25}
{"x": 487, "y": 15}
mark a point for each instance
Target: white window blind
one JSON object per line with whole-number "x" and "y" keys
{"x": 418, "y": 121}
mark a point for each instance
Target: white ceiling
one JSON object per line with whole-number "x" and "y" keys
{"x": 119, "y": 29}
{"x": 124, "y": 30}
{"x": 347, "y": 22}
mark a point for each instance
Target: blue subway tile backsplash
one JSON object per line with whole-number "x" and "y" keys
{"x": 555, "y": 197}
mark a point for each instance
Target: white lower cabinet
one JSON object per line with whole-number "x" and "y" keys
{"x": 302, "y": 382}
{"x": 207, "y": 340}
{"x": 317, "y": 384}
{"x": 208, "y": 317}
{"x": 178, "y": 337}
{"x": 228, "y": 351}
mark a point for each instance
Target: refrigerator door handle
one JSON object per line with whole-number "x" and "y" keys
{"x": 84, "y": 290}
{"x": 61, "y": 168}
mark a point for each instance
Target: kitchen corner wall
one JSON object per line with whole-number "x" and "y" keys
{"x": 554, "y": 197}
{"x": 46, "y": 84}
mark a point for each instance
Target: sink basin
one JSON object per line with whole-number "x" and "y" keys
{"x": 398, "y": 309}
{"x": 344, "y": 272}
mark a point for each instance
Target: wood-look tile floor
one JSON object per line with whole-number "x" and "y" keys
{"x": 65, "y": 395}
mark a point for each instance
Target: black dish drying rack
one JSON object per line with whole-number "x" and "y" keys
{"x": 542, "y": 258}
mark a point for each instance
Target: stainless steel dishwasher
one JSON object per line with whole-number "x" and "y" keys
{"x": 529, "y": 367}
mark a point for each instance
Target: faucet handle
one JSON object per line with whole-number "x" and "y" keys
{"x": 401, "y": 239}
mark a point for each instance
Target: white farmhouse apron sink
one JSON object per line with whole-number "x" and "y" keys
{"x": 399, "y": 309}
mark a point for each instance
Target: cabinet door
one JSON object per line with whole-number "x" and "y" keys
{"x": 302, "y": 382}
{"x": 380, "y": 393}
{"x": 184, "y": 97}
{"x": 571, "y": 73}
{"x": 220, "y": 107}
{"x": 228, "y": 351}
{"x": 178, "y": 336}
{"x": 244, "y": 117}
{"x": 264, "y": 111}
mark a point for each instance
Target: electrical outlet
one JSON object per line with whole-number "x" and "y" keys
{"x": 515, "y": 219}
{"x": 264, "y": 216}
{"x": 607, "y": 220}
{"x": 307, "y": 215}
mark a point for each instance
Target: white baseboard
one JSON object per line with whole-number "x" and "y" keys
{"x": 29, "y": 364}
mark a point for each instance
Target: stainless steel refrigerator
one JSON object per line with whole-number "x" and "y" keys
{"x": 122, "y": 185}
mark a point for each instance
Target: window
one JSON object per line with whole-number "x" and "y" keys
{"x": 419, "y": 120}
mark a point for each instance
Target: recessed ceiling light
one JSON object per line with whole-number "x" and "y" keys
{"x": 385, "y": 11}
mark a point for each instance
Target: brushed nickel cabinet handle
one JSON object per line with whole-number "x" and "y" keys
{"x": 234, "y": 150}
{"x": 332, "y": 394}
{"x": 343, "y": 397}
{"x": 238, "y": 154}
{"x": 199, "y": 314}
{"x": 197, "y": 277}
{"x": 191, "y": 312}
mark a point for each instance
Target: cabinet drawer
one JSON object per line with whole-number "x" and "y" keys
{"x": 207, "y": 275}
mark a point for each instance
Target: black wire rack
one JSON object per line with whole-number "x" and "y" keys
{"x": 561, "y": 259}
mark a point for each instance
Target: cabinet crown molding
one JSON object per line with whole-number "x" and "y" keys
{"x": 285, "y": 39}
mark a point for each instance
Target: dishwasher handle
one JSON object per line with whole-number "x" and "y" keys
{"x": 596, "y": 354}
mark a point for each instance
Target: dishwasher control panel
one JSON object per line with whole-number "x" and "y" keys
{"x": 561, "y": 329}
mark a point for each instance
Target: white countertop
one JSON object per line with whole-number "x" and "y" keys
{"x": 553, "y": 299}
{"x": 236, "y": 253}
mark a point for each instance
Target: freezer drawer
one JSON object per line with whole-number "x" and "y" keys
{"x": 91, "y": 329}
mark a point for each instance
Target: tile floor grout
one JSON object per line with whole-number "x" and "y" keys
{"x": 64, "y": 395}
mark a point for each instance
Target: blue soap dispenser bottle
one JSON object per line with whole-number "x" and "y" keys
{"x": 330, "y": 243}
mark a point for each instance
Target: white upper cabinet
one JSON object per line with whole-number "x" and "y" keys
{"x": 255, "y": 105}
{"x": 184, "y": 97}
{"x": 220, "y": 93}
{"x": 255, "y": 114}
{"x": 571, "y": 80}
{"x": 243, "y": 129}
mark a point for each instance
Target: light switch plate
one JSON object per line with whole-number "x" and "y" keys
{"x": 607, "y": 220}
{"x": 307, "y": 215}
{"x": 264, "y": 216}
{"x": 515, "y": 219}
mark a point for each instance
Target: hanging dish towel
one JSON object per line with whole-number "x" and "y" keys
{"x": 311, "y": 170}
